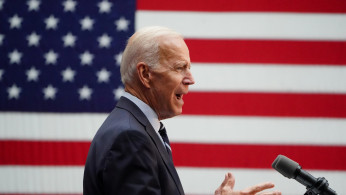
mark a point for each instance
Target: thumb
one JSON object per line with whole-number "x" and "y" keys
{"x": 226, "y": 186}
{"x": 229, "y": 180}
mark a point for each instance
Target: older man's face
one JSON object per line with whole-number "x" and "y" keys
{"x": 171, "y": 81}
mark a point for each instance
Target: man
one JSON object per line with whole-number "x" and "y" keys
{"x": 130, "y": 153}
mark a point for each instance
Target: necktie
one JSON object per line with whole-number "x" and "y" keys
{"x": 164, "y": 136}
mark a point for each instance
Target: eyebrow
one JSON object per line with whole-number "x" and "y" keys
{"x": 182, "y": 63}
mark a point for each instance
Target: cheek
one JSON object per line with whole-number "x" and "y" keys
{"x": 166, "y": 96}
{"x": 167, "y": 86}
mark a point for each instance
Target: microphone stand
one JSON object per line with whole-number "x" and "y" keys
{"x": 320, "y": 188}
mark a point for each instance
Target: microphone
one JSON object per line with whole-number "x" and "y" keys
{"x": 292, "y": 169}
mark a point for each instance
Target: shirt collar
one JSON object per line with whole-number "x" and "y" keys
{"x": 146, "y": 109}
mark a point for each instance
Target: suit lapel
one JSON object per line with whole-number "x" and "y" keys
{"x": 165, "y": 157}
{"x": 131, "y": 107}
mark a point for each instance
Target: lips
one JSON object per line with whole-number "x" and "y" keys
{"x": 179, "y": 96}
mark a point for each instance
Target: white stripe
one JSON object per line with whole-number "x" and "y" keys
{"x": 248, "y": 25}
{"x": 49, "y": 126}
{"x": 204, "y": 129}
{"x": 225, "y": 129}
{"x": 273, "y": 78}
{"x": 27, "y": 179}
{"x": 41, "y": 179}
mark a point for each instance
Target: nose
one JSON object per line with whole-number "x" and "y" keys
{"x": 188, "y": 79}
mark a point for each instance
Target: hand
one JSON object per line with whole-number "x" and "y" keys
{"x": 226, "y": 188}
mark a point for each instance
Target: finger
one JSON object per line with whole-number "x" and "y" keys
{"x": 259, "y": 187}
{"x": 270, "y": 193}
{"x": 230, "y": 180}
{"x": 226, "y": 185}
{"x": 223, "y": 184}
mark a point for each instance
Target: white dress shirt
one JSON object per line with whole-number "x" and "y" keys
{"x": 148, "y": 112}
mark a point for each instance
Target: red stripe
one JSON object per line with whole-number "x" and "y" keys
{"x": 258, "y": 156}
{"x": 265, "y": 104}
{"x": 21, "y": 152}
{"x": 268, "y": 51}
{"x": 309, "y": 6}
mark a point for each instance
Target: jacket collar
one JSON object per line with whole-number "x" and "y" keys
{"x": 128, "y": 105}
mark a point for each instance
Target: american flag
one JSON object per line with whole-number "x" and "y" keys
{"x": 270, "y": 79}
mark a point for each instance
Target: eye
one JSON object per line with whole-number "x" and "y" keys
{"x": 179, "y": 68}
{"x": 182, "y": 67}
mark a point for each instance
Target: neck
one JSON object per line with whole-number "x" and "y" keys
{"x": 142, "y": 95}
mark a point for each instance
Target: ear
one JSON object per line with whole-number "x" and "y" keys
{"x": 143, "y": 74}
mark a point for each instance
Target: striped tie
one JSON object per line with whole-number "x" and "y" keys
{"x": 164, "y": 136}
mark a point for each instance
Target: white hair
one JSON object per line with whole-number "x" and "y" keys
{"x": 143, "y": 46}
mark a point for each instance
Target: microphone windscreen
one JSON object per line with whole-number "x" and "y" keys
{"x": 285, "y": 166}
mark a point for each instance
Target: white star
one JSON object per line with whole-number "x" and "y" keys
{"x": 1, "y": 38}
{"x": 13, "y": 92}
{"x": 51, "y": 22}
{"x": 49, "y": 92}
{"x": 15, "y": 57}
{"x": 87, "y": 23}
{"x": 85, "y": 93}
{"x": 69, "y": 5}
{"x": 105, "y": 6}
{"x": 118, "y": 57}
{"x": 51, "y": 57}
{"x": 68, "y": 74}
{"x": 1, "y": 73}
{"x": 32, "y": 74}
{"x": 122, "y": 24}
{"x": 118, "y": 92}
{"x": 33, "y": 5}
{"x": 69, "y": 40}
{"x": 86, "y": 58}
{"x": 104, "y": 41}
{"x": 33, "y": 39}
{"x": 15, "y": 21}
{"x": 103, "y": 75}
{"x": 1, "y": 4}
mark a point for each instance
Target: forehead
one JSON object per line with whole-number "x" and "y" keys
{"x": 174, "y": 48}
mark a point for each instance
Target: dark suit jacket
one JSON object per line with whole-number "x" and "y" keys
{"x": 127, "y": 157}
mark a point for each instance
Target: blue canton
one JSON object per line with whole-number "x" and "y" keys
{"x": 62, "y": 56}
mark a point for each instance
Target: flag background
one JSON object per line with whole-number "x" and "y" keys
{"x": 270, "y": 79}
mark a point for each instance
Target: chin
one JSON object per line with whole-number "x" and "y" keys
{"x": 178, "y": 112}
{"x": 171, "y": 114}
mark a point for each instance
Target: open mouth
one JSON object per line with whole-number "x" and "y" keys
{"x": 179, "y": 96}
